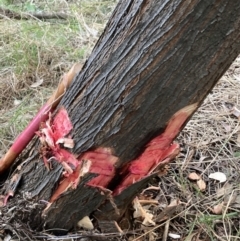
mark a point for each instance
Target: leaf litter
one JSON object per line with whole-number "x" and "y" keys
{"x": 219, "y": 176}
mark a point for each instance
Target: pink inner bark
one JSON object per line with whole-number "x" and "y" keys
{"x": 157, "y": 150}
{"x": 24, "y": 138}
{"x": 102, "y": 161}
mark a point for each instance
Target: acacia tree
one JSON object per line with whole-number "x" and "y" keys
{"x": 154, "y": 64}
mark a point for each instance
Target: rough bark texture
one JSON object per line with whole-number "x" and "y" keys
{"x": 154, "y": 58}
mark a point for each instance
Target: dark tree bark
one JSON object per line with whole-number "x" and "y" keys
{"x": 154, "y": 58}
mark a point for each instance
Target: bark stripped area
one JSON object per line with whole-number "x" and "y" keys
{"x": 153, "y": 59}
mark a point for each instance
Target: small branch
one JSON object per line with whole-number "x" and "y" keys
{"x": 44, "y": 16}
{"x": 26, "y": 16}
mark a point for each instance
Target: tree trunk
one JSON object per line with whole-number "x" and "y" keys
{"x": 154, "y": 58}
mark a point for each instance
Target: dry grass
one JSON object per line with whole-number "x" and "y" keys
{"x": 34, "y": 50}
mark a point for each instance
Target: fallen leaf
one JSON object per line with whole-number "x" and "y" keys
{"x": 86, "y": 223}
{"x": 218, "y": 209}
{"x": 174, "y": 236}
{"x": 148, "y": 220}
{"x": 194, "y": 176}
{"x": 37, "y": 83}
{"x": 201, "y": 184}
{"x": 219, "y": 176}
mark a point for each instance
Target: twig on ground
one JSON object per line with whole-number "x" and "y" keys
{"x": 27, "y": 16}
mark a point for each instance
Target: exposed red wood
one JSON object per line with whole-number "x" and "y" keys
{"x": 157, "y": 151}
{"x": 100, "y": 161}
{"x": 51, "y": 134}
